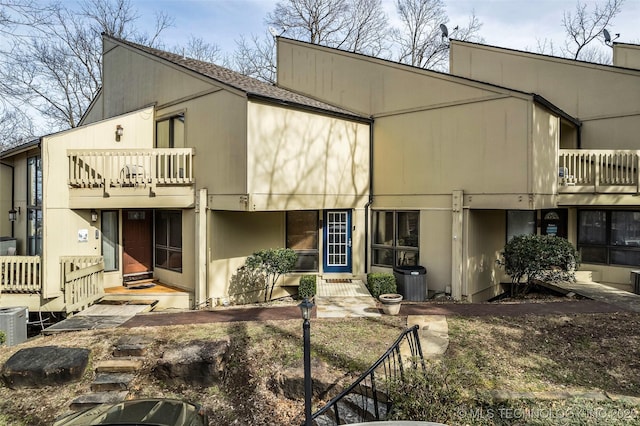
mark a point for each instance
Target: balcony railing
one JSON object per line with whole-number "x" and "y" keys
{"x": 130, "y": 167}
{"x": 82, "y": 279}
{"x": 20, "y": 274}
{"x": 599, "y": 171}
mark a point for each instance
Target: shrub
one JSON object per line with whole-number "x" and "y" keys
{"x": 539, "y": 257}
{"x": 381, "y": 283}
{"x": 307, "y": 287}
{"x": 271, "y": 264}
{"x": 3, "y": 338}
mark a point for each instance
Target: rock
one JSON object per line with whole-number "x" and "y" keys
{"x": 198, "y": 363}
{"x": 44, "y": 366}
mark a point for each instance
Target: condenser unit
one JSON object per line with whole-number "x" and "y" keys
{"x": 13, "y": 322}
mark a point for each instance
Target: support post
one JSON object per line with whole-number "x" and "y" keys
{"x": 456, "y": 244}
{"x": 201, "y": 248}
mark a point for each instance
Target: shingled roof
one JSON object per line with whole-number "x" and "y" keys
{"x": 250, "y": 86}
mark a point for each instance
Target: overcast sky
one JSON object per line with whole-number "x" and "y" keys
{"x": 516, "y": 24}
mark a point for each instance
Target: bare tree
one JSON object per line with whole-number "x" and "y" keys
{"x": 352, "y": 25}
{"x": 585, "y": 25}
{"x": 197, "y": 48}
{"x": 255, "y": 57}
{"x": 418, "y": 38}
{"x": 54, "y": 71}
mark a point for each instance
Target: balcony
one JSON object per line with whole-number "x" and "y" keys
{"x": 110, "y": 178}
{"x": 598, "y": 171}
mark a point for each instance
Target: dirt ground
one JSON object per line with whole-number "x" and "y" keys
{"x": 574, "y": 352}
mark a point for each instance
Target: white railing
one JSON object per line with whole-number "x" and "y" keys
{"x": 20, "y": 274}
{"x": 599, "y": 170}
{"x": 82, "y": 279}
{"x": 130, "y": 167}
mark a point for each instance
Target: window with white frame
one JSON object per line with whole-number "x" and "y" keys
{"x": 396, "y": 237}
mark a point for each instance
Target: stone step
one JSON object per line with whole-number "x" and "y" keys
{"x": 131, "y": 346}
{"x": 92, "y": 399}
{"x": 119, "y": 365}
{"x": 106, "y": 382}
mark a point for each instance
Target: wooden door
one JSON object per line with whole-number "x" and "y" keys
{"x": 137, "y": 242}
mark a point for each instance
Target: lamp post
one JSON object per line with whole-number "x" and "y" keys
{"x": 305, "y": 308}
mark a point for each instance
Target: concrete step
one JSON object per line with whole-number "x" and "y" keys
{"x": 119, "y": 365}
{"x": 92, "y": 399}
{"x": 107, "y": 382}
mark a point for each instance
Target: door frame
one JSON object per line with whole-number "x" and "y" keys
{"x": 345, "y": 267}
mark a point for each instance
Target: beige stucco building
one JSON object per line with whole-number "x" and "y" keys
{"x": 181, "y": 169}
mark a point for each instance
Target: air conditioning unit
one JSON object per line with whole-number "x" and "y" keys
{"x": 13, "y": 322}
{"x": 635, "y": 281}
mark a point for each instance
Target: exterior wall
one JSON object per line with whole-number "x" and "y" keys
{"x": 61, "y": 224}
{"x": 19, "y": 163}
{"x": 368, "y": 85}
{"x": 95, "y": 111}
{"x": 429, "y": 153}
{"x": 486, "y": 237}
{"x": 148, "y": 81}
{"x": 215, "y": 125}
{"x": 6, "y": 203}
{"x": 543, "y": 166}
{"x": 626, "y": 55}
{"x": 606, "y": 99}
{"x": 233, "y": 236}
{"x": 299, "y": 160}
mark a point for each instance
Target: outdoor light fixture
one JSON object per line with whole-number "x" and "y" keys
{"x": 13, "y": 214}
{"x": 94, "y": 216}
{"x": 305, "y": 308}
{"x": 119, "y": 132}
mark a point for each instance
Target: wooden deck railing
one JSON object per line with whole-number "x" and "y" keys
{"x": 130, "y": 167}
{"x": 611, "y": 171}
{"x": 82, "y": 280}
{"x": 20, "y": 274}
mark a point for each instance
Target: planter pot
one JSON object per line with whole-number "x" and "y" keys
{"x": 390, "y": 303}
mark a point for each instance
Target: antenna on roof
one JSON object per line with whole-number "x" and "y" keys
{"x": 445, "y": 31}
{"x": 274, "y": 32}
{"x": 607, "y": 37}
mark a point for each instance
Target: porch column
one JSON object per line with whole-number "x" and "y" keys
{"x": 456, "y": 244}
{"x": 201, "y": 248}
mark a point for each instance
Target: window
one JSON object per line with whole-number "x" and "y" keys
{"x": 520, "y": 222}
{"x": 170, "y": 132}
{"x": 395, "y": 238}
{"x": 609, "y": 236}
{"x": 168, "y": 245}
{"x": 34, "y": 205}
{"x": 110, "y": 240}
{"x": 302, "y": 236}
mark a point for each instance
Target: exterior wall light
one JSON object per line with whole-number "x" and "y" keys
{"x": 13, "y": 214}
{"x": 94, "y": 216}
{"x": 119, "y": 132}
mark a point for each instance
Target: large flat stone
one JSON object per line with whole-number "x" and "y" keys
{"x": 106, "y": 382}
{"x": 93, "y": 399}
{"x": 44, "y": 366}
{"x": 197, "y": 363}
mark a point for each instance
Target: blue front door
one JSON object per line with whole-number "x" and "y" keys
{"x": 337, "y": 241}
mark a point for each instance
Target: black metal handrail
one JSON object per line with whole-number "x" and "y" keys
{"x": 367, "y": 398}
